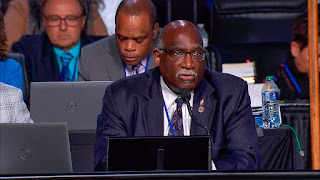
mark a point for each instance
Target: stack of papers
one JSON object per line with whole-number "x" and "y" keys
{"x": 245, "y": 71}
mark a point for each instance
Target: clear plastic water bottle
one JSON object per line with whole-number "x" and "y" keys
{"x": 204, "y": 34}
{"x": 270, "y": 104}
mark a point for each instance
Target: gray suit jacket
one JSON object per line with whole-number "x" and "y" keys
{"x": 100, "y": 61}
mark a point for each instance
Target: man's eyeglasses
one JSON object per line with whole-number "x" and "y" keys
{"x": 55, "y": 20}
{"x": 176, "y": 55}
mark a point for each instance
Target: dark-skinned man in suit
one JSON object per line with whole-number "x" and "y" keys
{"x": 145, "y": 105}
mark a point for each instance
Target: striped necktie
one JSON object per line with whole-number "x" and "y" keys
{"x": 65, "y": 73}
{"x": 135, "y": 69}
{"x": 176, "y": 119}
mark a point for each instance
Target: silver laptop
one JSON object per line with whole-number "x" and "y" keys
{"x": 77, "y": 103}
{"x": 34, "y": 148}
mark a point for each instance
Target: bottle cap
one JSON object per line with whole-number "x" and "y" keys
{"x": 200, "y": 25}
{"x": 269, "y": 77}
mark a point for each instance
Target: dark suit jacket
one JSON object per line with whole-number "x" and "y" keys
{"x": 41, "y": 62}
{"x": 133, "y": 106}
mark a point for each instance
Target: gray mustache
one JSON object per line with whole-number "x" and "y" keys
{"x": 186, "y": 72}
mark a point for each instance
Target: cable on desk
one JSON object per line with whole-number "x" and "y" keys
{"x": 300, "y": 150}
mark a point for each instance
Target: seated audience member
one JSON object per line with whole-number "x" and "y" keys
{"x": 129, "y": 51}
{"x": 220, "y": 102}
{"x": 292, "y": 77}
{"x": 12, "y": 107}
{"x": 54, "y": 55}
{"x": 10, "y": 70}
{"x": 107, "y": 11}
{"x": 23, "y": 17}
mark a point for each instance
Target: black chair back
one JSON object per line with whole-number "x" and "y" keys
{"x": 255, "y": 30}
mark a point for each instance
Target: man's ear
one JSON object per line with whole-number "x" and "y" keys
{"x": 156, "y": 54}
{"x": 83, "y": 21}
{"x": 44, "y": 23}
{"x": 155, "y": 30}
{"x": 294, "y": 48}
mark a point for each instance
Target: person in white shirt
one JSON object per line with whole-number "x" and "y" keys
{"x": 107, "y": 12}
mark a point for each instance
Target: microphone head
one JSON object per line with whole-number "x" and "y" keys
{"x": 185, "y": 94}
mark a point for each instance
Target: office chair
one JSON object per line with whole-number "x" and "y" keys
{"x": 255, "y": 30}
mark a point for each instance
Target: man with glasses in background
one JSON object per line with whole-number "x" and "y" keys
{"x": 151, "y": 104}
{"x": 54, "y": 55}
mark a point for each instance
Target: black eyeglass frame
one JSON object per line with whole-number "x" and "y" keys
{"x": 170, "y": 52}
{"x": 76, "y": 19}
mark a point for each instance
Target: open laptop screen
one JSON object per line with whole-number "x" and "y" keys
{"x": 77, "y": 103}
{"x": 34, "y": 148}
{"x": 146, "y": 153}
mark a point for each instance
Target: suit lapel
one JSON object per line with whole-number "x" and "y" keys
{"x": 153, "y": 107}
{"x": 117, "y": 64}
{"x": 204, "y": 105}
{"x": 49, "y": 61}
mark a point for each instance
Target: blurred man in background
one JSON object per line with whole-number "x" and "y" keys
{"x": 54, "y": 55}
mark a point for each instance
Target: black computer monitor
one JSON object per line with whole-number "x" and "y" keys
{"x": 159, "y": 153}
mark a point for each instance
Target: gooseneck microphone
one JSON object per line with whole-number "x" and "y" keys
{"x": 209, "y": 144}
{"x": 185, "y": 96}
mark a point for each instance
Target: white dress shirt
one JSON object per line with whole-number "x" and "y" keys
{"x": 108, "y": 13}
{"x": 169, "y": 98}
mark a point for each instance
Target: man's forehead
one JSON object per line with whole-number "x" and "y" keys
{"x": 133, "y": 35}
{"x": 56, "y": 7}
{"x": 133, "y": 26}
{"x": 182, "y": 40}
{"x": 127, "y": 16}
{"x": 131, "y": 31}
{"x": 184, "y": 46}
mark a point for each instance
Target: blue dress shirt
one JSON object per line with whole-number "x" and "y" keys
{"x": 11, "y": 73}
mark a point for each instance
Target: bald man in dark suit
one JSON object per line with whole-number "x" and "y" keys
{"x": 144, "y": 105}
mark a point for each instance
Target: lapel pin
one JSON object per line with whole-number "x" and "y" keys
{"x": 201, "y": 109}
{"x": 201, "y": 102}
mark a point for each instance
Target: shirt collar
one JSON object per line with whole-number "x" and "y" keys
{"x": 74, "y": 51}
{"x": 143, "y": 63}
{"x": 169, "y": 96}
